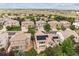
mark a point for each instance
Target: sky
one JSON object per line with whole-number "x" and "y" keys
{"x": 64, "y": 6}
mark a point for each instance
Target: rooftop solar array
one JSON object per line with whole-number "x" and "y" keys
{"x": 42, "y": 37}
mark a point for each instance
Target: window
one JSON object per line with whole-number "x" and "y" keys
{"x": 55, "y": 37}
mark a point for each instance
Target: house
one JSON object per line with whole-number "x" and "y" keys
{"x": 66, "y": 24}
{"x": 26, "y": 24}
{"x": 44, "y": 18}
{"x": 76, "y": 24}
{"x": 53, "y": 24}
{"x": 3, "y": 38}
{"x": 40, "y": 25}
{"x": 20, "y": 41}
{"x": 67, "y": 33}
{"x": 44, "y": 40}
{"x": 11, "y": 22}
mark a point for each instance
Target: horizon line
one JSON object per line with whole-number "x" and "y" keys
{"x": 59, "y": 6}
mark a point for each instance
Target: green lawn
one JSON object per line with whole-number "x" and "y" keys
{"x": 17, "y": 28}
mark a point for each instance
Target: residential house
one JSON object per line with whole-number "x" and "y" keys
{"x": 44, "y": 40}
{"x": 66, "y": 24}
{"x": 76, "y": 24}
{"x": 20, "y": 41}
{"x": 3, "y": 38}
{"x": 44, "y": 18}
{"x": 11, "y": 22}
{"x": 40, "y": 25}
{"x": 53, "y": 24}
{"x": 11, "y": 33}
{"x": 26, "y": 24}
{"x": 67, "y": 33}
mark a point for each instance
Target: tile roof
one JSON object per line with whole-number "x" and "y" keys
{"x": 68, "y": 33}
{"x": 20, "y": 36}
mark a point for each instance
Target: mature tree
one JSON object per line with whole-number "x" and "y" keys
{"x": 2, "y": 49}
{"x": 55, "y": 51}
{"x": 49, "y": 51}
{"x": 59, "y": 18}
{"x": 16, "y": 53}
{"x": 67, "y": 48}
{"x": 2, "y": 14}
{"x": 47, "y": 27}
{"x": 9, "y": 14}
{"x": 41, "y": 54}
{"x": 19, "y": 53}
{"x": 58, "y": 51}
{"x": 33, "y": 19}
{"x": 8, "y": 27}
{"x": 38, "y": 18}
{"x": 49, "y": 16}
{"x": 15, "y": 14}
{"x": 31, "y": 30}
{"x": 58, "y": 27}
{"x": 20, "y": 20}
{"x": 31, "y": 52}
{"x": 62, "y": 27}
{"x": 77, "y": 49}
{"x": 70, "y": 19}
{"x": 72, "y": 27}
{"x": 42, "y": 15}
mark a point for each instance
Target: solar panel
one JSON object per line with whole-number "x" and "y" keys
{"x": 42, "y": 37}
